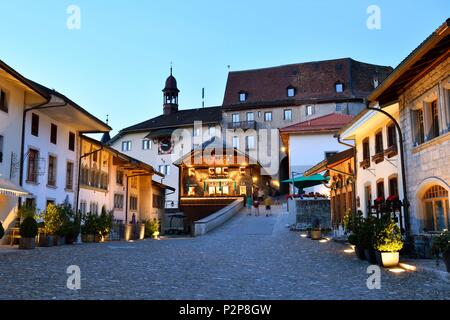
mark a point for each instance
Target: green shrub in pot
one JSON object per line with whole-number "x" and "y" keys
{"x": 441, "y": 248}
{"x": 388, "y": 242}
{"x": 28, "y": 232}
{"x": 2, "y": 231}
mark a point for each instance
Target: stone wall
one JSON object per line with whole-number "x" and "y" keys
{"x": 428, "y": 163}
{"x": 308, "y": 210}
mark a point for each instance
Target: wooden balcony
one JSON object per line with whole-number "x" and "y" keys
{"x": 378, "y": 157}
{"x": 365, "y": 163}
{"x": 244, "y": 125}
{"x": 391, "y": 151}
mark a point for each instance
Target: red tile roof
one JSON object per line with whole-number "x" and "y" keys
{"x": 313, "y": 82}
{"x": 328, "y": 123}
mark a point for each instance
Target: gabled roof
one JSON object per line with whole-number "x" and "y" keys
{"x": 177, "y": 119}
{"x": 328, "y": 123}
{"x": 330, "y": 162}
{"x": 104, "y": 127}
{"x": 428, "y": 54}
{"x": 137, "y": 163}
{"x": 314, "y": 82}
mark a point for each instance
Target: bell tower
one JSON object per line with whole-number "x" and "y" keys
{"x": 170, "y": 94}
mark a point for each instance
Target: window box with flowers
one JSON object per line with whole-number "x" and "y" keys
{"x": 378, "y": 157}
{"x": 391, "y": 151}
{"x": 365, "y": 163}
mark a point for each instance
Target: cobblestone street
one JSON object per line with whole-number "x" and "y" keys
{"x": 247, "y": 258}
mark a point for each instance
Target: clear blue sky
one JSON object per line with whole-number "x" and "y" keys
{"x": 118, "y": 61}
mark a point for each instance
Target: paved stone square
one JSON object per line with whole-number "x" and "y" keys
{"x": 247, "y": 258}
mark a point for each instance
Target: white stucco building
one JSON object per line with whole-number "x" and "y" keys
{"x": 157, "y": 141}
{"x": 378, "y": 173}
{"x": 312, "y": 141}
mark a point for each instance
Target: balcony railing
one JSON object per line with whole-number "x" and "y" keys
{"x": 242, "y": 125}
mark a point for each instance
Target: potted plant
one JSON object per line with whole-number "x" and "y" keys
{"x": 53, "y": 221}
{"x": 316, "y": 232}
{"x": 353, "y": 224}
{"x": 366, "y": 238}
{"x": 152, "y": 228}
{"x": 388, "y": 242}
{"x": 2, "y": 231}
{"x": 28, "y": 233}
{"x": 105, "y": 222}
{"x": 441, "y": 248}
{"x": 89, "y": 228}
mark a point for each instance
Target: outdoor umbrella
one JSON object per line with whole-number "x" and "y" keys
{"x": 302, "y": 182}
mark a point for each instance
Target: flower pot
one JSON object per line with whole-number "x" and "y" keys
{"x": 447, "y": 260}
{"x": 387, "y": 259}
{"x": 155, "y": 235}
{"x": 70, "y": 239}
{"x": 370, "y": 255}
{"x": 316, "y": 234}
{"x": 359, "y": 250}
{"x": 46, "y": 241}
{"x": 59, "y": 240}
{"x": 128, "y": 232}
{"x": 27, "y": 243}
{"x": 142, "y": 231}
{"x": 88, "y": 238}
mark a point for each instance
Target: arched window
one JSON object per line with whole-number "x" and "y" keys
{"x": 436, "y": 209}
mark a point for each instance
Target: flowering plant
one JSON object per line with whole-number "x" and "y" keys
{"x": 392, "y": 198}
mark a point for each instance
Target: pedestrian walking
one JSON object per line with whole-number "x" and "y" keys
{"x": 268, "y": 204}
{"x": 277, "y": 197}
{"x": 256, "y": 206}
{"x": 249, "y": 205}
{"x": 260, "y": 195}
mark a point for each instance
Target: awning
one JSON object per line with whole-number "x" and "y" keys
{"x": 9, "y": 188}
{"x": 302, "y": 182}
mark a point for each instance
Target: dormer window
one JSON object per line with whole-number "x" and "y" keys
{"x": 290, "y": 92}
{"x": 339, "y": 87}
{"x": 242, "y": 96}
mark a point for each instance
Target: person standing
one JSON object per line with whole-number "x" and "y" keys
{"x": 249, "y": 204}
{"x": 256, "y": 206}
{"x": 268, "y": 204}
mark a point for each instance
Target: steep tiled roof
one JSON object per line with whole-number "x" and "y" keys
{"x": 178, "y": 119}
{"x": 313, "y": 82}
{"x": 330, "y": 122}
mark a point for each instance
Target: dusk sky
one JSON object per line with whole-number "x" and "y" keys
{"x": 118, "y": 60}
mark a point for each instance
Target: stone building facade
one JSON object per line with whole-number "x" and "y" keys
{"x": 427, "y": 162}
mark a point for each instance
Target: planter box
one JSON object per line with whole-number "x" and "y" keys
{"x": 46, "y": 241}
{"x": 27, "y": 243}
{"x": 387, "y": 259}
{"x": 316, "y": 234}
{"x": 88, "y": 238}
